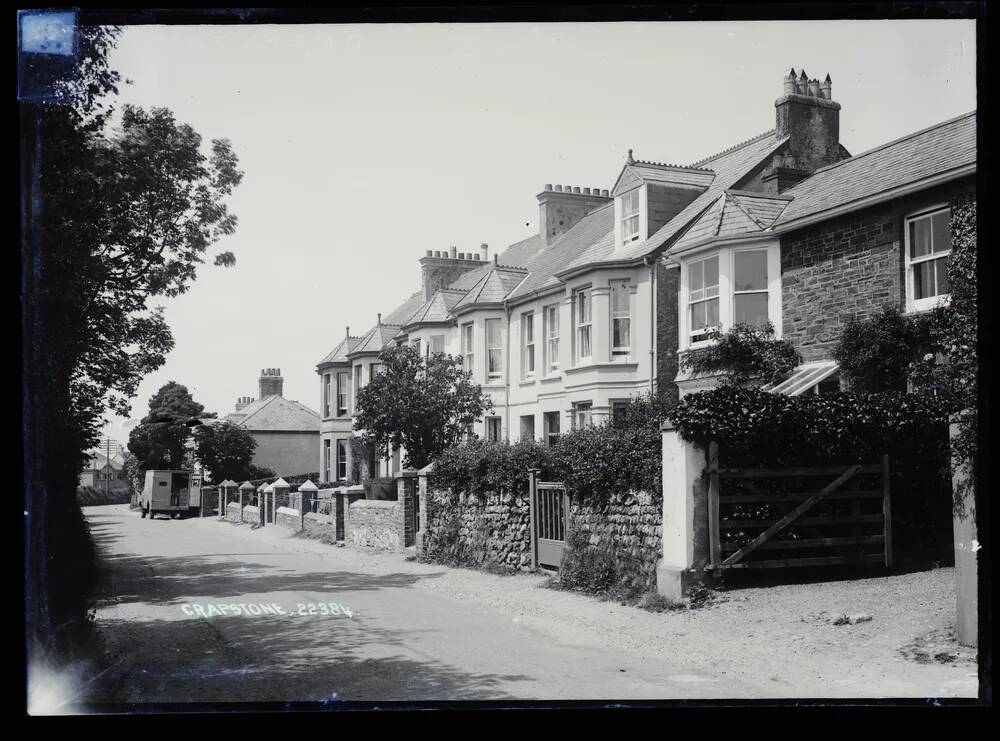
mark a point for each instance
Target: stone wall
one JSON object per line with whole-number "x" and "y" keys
{"x": 316, "y": 525}
{"x": 251, "y": 514}
{"x": 847, "y": 267}
{"x": 376, "y": 524}
{"x": 233, "y": 512}
{"x": 630, "y": 526}
{"x": 667, "y": 291}
{"x": 288, "y": 517}
{"x": 475, "y": 532}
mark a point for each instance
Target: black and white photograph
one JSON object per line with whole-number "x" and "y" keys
{"x": 502, "y": 359}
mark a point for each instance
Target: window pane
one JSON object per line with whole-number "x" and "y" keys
{"x": 920, "y": 238}
{"x": 923, "y": 279}
{"x": 712, "y": 273}
{"x": 585, "y": 342}
{"x": 750, "y": 308}
{"x": 712, "y": 313}
{"x": 750, "y": 269}
{"x": 941, "y": 232}
{"x": 941, "y": 266}
{"x": 621, "y": 333}
{"x": 696, "y": 277}
{"x": 697, "y": 316}
{"x": 619, "y": 297}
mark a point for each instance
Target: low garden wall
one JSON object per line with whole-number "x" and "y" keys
{"x": 251, "y": 514}
{"x": 288, "y": 517}
{"x": 317, "y": 525}
{"x": 233, "y": 512}
{"x": 376, "y": 524}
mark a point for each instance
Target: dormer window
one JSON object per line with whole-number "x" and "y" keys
{"x": 630, "y": 216}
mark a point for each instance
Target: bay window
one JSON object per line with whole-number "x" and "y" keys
{"x": 732, "y": 285}
{"x": 494, "y": 350}
{"x": 928, "y": 246}
{"x": 550, "y": 316}
{"x": 341, "y": 460}
{"x": 621, "y": 318}
{"x": 342, "y": 394}
{"x": 581, "y": 414}
{"x": 582, "y": 321}
{"x": 528, "y": 345}
{"x": 467, "y": 351}
{"x": 436, "y": 344}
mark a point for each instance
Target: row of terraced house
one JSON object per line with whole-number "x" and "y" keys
{"x": 787, "y": 227}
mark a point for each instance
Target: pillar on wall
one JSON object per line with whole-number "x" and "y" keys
{"x": 307, "y": 492}
{"x": 685, "y": 515}
{"x": 406, "y": 482}
{"x": 246, "y": 489}
{"x": 423, "y": 490}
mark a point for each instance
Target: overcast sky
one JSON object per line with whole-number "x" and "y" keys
{"x": 366, "y": 145}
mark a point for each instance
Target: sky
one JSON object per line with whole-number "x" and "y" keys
{"x": 364, "y": 146}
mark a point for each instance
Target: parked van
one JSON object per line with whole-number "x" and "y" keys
{"x": 166, "y": 493}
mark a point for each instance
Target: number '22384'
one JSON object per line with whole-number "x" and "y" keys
{"x": 323, "y": 608}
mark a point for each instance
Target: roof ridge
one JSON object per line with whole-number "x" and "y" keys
{"x": 893, "y": 142}
{"x": 667, "y": 164}
{"x": 751, "y": 140}
{"x": 263, "y": 403}
{"x": 753, "y": 194}
{"x": 722, "y": 214}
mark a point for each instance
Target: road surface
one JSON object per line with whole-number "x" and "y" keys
{"x": 400, "y": 642}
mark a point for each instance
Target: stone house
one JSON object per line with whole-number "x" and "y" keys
{"x": 286, "y": 431}
{"x": 566, "y": 325}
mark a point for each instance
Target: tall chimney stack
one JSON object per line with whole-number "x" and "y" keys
{"x": 271, "y": 383}
{"x": 484, "y": 252}
{"x": 560, "y": 208}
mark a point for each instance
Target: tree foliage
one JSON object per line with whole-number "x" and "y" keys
{"x": 159, "y": 441}
{"x": 422, "y": 405}
{"x": 743, "y": 354}
{"x": 225, "y": 450}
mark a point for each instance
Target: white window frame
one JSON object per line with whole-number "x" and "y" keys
{"x": 468, "y": 346}
{"x": 341, "y": 459}
{"x": 497, "y": 373}
{"x": 625, "y": 285}
{"x": 726, "y": 293}
{"x": 581, "y": 408}
{"x": 583, "y": 296}
{"x": 373, "y": 370}
{"x": 327, "y": 392}
{"x": 630, "y": 221}
{"x": 522, "y": 418}
{"x": 547, "y": 432}
{"x": 431, "y": 341}
{"x": 327, "y": 470}
{"x": 924, "y": 304}
{"x": 415, "y": 344}
{"x": 342, "y": 390}
{"x": 551, "y": 337}
{"x": 528, "y": 358}
{"x": 357, "y": 386}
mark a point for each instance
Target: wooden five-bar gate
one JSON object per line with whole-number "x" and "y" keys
{"x": 798, "y": 516}
{"x": 549, "y": 514}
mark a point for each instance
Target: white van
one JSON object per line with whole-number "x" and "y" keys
{"x": 166, "y": 493}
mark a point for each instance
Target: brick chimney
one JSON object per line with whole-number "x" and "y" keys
{"x": 440, "y": 268}
{"x": 561, "y": 207}
{"x": 810, "y": 118}
{"x": 271, "y": 383}
{"x": 243, "y": 402}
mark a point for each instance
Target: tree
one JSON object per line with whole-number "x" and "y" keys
{"x": 114, "y": 216}
{"x": 422, "y": 406}
{"x": 159, "y": 441}
{"x": 744, "y": 353}
{"x": 225, "y": 450}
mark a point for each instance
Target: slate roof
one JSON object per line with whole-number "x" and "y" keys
{"x": 438, "y": 309}
{"x": 734, "y": 213}
{"x": 275, "y": 414}
{"x": 634, "y": 173}
{"x": 946, "y": 146}
{"x": 339, "y": 353}
{"x": 493, "y": 287}
{"x": 377, "y": 338}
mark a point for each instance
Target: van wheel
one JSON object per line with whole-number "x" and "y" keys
{"x": 142, "y": 512}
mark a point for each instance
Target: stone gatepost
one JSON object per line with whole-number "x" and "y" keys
{"x": 423, "y": 491}
{"x": 261, "y": 501}
{"x": 278, "y": 489}
{"x": 222, "y": 503}
{"x": 307, "y": 492}
{"x": 965, "y": 535}
{"x": 268, "y": 514}
{"x": 246, "y": 489}
{"x": 351, "y": 494}
{"x": 226, "y": 489}
{"x": 406, "y": 483}
{"x": 685, "y": 515}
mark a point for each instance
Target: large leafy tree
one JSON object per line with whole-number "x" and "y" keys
{"x": 226, "y": 451}
{"x": 159, "y": 441}
{"x": 115, "y": 214}
{"x": 420, "y": 405}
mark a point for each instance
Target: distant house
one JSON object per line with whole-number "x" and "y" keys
{"x": 286, "y": 431}
{"x": 104, "y": 472}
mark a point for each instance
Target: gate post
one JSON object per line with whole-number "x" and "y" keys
{"x": 406, "y": 483}
{"x": 222, "y": 511}
{"x": 966, "y": 548}
{"x": 685, "y": 515}
{"x": 306, "y": 489}
{"x": 423, "y": 491}
{"x": 533, "y": 474}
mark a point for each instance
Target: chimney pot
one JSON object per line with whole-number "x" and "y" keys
{"x": 452, "y": 252}
{"x": 495, "y": 260}
{"x": 814, "y": 88}
{"x": 484, "y": 251}
{"x": 558, "y": 189}
{"x": 576, "y": 189}
{"x": 548, "y": 186}
{"x": 380, "y": 319}
{"x": 430, "y": 253}
{"x": 605, "y": 192}
{"x": 586, "y": 191}
{"x": 461, "y": 255}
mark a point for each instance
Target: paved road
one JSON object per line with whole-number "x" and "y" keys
{"x": 402, "y": 642}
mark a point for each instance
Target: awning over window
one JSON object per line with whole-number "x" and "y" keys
{"x": 804, "y": 378}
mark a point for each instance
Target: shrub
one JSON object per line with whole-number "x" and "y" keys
{"x": 744, "y": 353}
{"x": 875, "y": 353}
{"x": 585, "y": 568}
